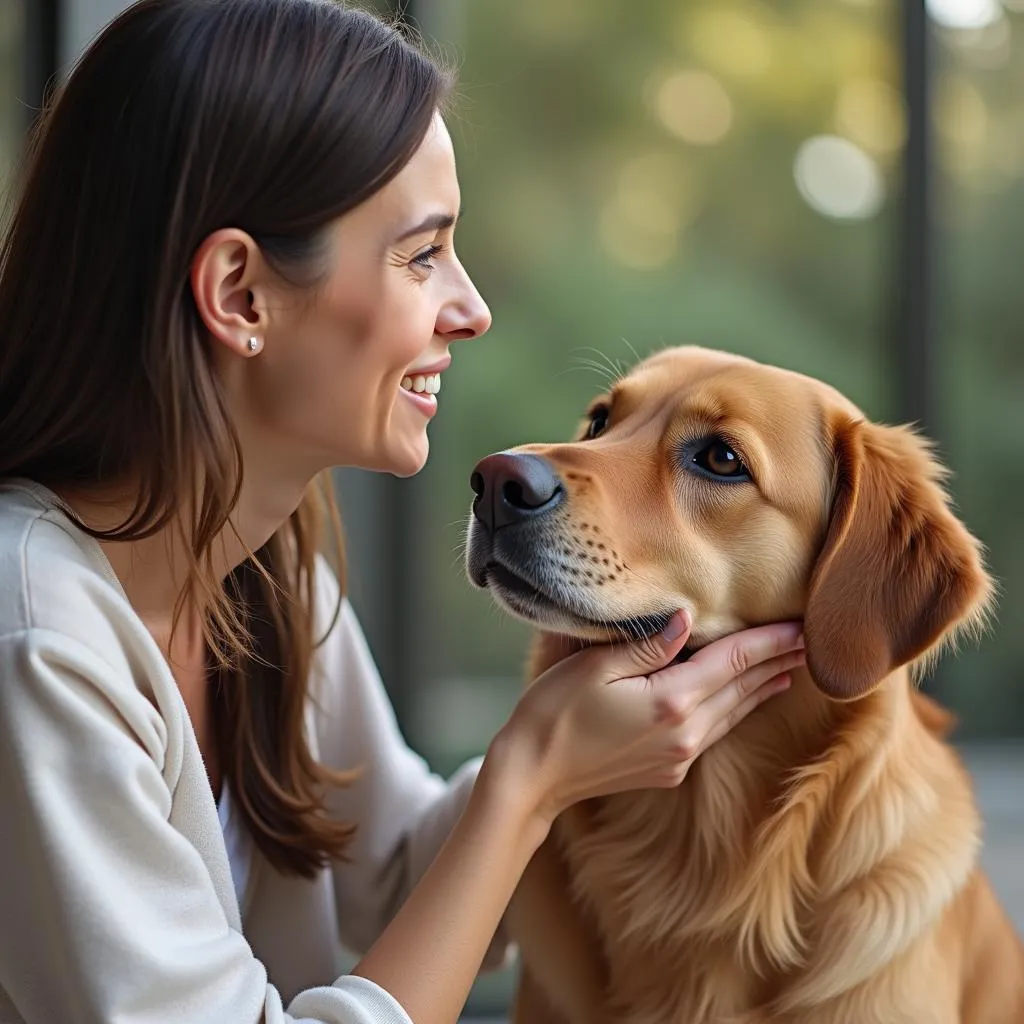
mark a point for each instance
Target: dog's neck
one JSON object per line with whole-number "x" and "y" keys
{"x": 774, "y": 825}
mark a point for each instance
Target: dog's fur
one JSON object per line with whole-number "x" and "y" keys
{"x": 819, "y": 863}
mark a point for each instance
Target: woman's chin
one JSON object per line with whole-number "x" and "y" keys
{"x": 402, "y": 456}
{"x": 410, "y": 459}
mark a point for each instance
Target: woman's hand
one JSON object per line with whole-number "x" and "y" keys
{"x": 599, "y": 721}
{"x": 617, "y": 717}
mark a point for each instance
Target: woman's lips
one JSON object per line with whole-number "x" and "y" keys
{"x": 423, "y": 400}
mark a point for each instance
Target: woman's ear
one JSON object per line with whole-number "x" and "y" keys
{"x": 898, "y": 573}
{"x": 223, "y": 276}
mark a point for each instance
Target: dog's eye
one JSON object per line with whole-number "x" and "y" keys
{"x": 717, "y": 459}
{"x": 598, "y": 422}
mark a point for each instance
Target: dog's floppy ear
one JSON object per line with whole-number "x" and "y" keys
{"x": 898, "y": 573}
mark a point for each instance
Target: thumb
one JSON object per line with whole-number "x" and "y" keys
{"x": 641, "y": 657}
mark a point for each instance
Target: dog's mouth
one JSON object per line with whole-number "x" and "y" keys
{"x": 530, "y": 601}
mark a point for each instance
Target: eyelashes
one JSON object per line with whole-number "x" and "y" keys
{"x": 425, "y": 258}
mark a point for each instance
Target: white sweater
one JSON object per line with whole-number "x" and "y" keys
{"x": 116, "y": 897}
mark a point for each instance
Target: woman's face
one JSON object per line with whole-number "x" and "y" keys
{"x": 349, "y": 374}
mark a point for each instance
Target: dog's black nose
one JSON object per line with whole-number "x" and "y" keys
{"x": 510, "y": 488}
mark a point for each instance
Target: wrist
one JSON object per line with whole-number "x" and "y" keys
{"x": 509, "y": 780}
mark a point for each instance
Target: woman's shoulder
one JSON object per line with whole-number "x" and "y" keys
{"x": 56, "y": 587}
{"x": 73, "y": 654}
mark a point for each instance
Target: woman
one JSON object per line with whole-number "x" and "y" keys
{"x": 230, "y": 261}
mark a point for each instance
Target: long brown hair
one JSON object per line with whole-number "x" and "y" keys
{"x": 183, "y": 117}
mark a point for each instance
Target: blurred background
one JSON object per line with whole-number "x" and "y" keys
{"x": 834, "y": 186}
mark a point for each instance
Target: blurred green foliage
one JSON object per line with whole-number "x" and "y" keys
{"x": 571, "y": 177}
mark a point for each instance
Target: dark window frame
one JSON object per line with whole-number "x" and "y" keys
{"x": 913, "y": 347}
{"x": 41, "y": 48}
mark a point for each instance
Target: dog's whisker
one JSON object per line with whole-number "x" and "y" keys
{"x": 636, "y": 628}
{"x": 598, "y": 352}
{"x": 615, "y": 372}
{"x": 581, "y": 364}
{"x": 601, "y": 371}
{"x": 630, "y": 346}
{"x": 459, "y": 548}
{"x": 606, "y": 373}
{"x": 639, "y": 575}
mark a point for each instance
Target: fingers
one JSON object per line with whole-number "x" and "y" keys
{"x": 612, "y": 662}
{"x": 687, "y": 706}
{"x": 713, "y": 720}
{"x": 701, "y": 722}
{"x": 753, "y": 679}
{"x": 668, "y": 767}
{"x": 721, "y": 724}
{"x": 733, "y": 657}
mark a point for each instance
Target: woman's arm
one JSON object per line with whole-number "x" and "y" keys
{"x": 430, "y": 954}
{"x": 114, "y": 903}
{"x": 602, "y": 721}
{"x": 404, "y": 811}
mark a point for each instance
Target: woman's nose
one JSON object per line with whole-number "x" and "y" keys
{"x": 466, "y": 315}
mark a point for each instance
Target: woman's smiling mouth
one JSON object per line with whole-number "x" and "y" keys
{"x": 422, "y": 384}
{"x": 429, "y": 383}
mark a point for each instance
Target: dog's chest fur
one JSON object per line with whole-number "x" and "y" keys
{"x": 754, "y": 893}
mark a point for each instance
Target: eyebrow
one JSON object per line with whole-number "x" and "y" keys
{"x": 434, "y": 222}
{"x": 615, "y": 395}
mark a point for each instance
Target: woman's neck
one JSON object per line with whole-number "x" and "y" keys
{"x": 154, "y": 570}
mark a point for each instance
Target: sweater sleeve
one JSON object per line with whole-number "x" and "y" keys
{"x": 403, "y": 809}
{"x": 107, "y": 910}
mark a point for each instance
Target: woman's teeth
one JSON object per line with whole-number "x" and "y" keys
{"x": 431, "y": 384}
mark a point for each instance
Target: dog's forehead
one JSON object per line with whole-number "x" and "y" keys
{"x": 732, "y": 386}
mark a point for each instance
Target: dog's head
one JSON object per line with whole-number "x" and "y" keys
{"x": 745, "y": 494}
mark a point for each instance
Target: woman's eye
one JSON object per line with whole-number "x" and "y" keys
{"x": 718, "y": 459}
{"x": 598, "y": 423}
{"x": 424, "y": 258}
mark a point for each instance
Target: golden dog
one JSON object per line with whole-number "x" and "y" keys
{"x": 819, "y": 865}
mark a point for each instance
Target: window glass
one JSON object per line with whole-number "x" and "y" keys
{"x": 716, "y": 172}
{"x": 977, "y": 118}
